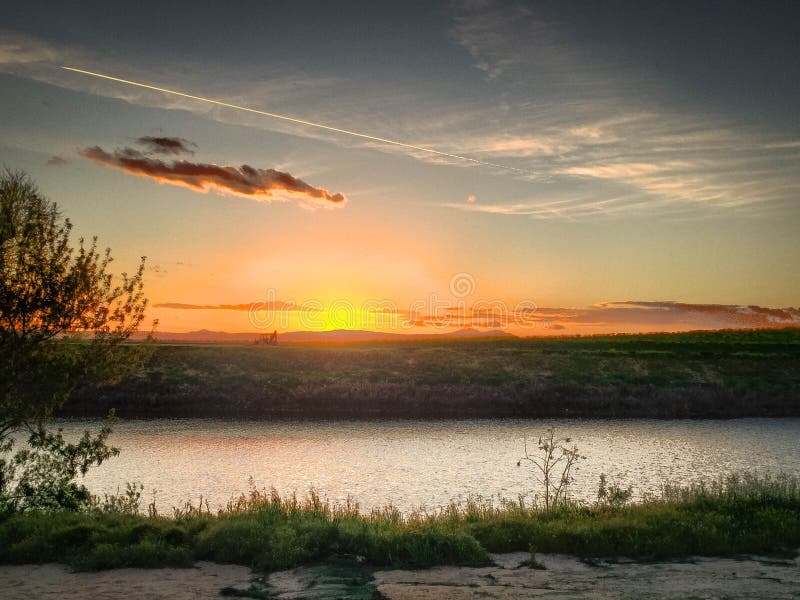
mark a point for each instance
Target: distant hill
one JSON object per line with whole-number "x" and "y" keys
{"x": 334, "y": 336}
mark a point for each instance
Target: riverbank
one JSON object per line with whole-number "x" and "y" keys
{"x": 729, "y": 374}
{"x": 268, "y": 533}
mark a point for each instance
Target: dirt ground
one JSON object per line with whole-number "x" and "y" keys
{"x": 32, "y": 582}
{"x": 562, "y": 577}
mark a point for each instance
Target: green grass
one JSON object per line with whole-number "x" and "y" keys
{"x": 765, "y": 357}
{"x": 730, "y": 357}
{"x": 267, "y": 532}
{"x": 710, "y": 374}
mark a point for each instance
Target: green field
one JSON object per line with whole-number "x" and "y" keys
{"x": 704, "y": 374}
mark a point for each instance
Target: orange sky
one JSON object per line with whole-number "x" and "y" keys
{"x": 578, "y": 161}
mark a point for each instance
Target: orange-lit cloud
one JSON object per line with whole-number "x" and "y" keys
{"x": 245, "y": 181}
{"x": 521, "y": 146}
{"x": 624, "y": 316}
{"x": 614, "y": 171}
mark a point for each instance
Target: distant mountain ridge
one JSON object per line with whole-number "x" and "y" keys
{"x": 336, "y": 336}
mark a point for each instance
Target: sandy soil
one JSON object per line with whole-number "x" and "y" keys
{"x": 567, "y": 577}
{"x": 54, "y": 581}
{"x": 563, "y": 577}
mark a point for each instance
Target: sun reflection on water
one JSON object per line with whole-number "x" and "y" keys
{"x": 425, "y": 463}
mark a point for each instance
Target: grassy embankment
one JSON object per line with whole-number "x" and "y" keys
{"x": 741, "y": 515}
{"x": 689, "y": 375}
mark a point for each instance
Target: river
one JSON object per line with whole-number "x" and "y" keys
{"x": 424, "y": 463}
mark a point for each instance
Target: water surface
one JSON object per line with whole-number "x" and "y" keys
{"x": 424, "y": 463}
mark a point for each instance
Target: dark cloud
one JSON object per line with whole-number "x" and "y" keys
{"x": 245, "y": 181}
{"x": 620, "y": 316}
{"x": 712, "y": 316}
{"x": 57, "y": 161}
{"x": 166, "y": 145}
{"x": 627, "y": 316}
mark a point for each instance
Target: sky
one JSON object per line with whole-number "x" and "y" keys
{"x": 539, "y": 167}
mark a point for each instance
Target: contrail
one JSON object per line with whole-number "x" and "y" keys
{"x": 300, "y": 121}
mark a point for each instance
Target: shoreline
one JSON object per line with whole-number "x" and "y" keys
{"x": 379, "y": 402}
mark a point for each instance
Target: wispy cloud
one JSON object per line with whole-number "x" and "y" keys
{"x": 509, "y": 145}
{"x": 615, "y": 171}
{"x": 569, "y": 115}
{"x": 32, "y": 57}
{"x": 21, "y": 49}
{"x": 594, "y": 138}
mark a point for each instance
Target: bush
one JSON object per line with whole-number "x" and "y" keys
{"x": 147, "y": 554}
{"x": 63, "y": 322}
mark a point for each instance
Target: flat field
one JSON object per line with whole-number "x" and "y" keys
{"x": 687, "y": 375}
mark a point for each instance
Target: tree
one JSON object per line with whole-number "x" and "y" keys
{"x": 63, "y": 320}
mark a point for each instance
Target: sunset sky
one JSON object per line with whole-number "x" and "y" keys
{"x": 614, "y": 166}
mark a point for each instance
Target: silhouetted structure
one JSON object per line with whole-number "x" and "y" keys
{"x": 270, "y": 339}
